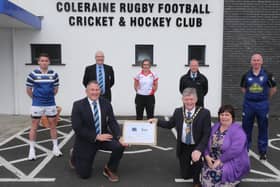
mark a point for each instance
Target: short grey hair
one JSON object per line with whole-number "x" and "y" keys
{"x": 92, "y": 82}
{"x": 189, "y": 92}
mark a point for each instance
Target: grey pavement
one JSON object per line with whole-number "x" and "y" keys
{"x": 11, "y": 124}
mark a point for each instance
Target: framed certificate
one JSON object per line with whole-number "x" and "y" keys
{"x": 139, "y": 133}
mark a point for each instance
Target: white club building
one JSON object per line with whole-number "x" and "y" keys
{"x": 168, "y": 32}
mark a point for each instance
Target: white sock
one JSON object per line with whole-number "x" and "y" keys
{"x": 54, "y": 143}
{"x": 32, "y": 144}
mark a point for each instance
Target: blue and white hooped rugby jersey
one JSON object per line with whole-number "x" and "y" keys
{"x": 43, "y": 85}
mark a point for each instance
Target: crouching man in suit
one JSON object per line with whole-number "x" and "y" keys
{"x": 95, "y": 128}
{"x": 193, "y": 125}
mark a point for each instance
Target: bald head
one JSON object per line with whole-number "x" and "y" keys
{"x": 256, "y": 61}
{"x": 99, "y": 57}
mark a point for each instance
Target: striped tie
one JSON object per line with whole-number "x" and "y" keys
{"x": 188, "y": 134}
{"x": 96, "y": 117}
{"x": 101, "y": 80}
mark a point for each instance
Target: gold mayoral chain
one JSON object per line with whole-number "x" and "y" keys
{"x": 190, "y": 120}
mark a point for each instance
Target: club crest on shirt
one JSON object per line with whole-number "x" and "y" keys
{"x": 261, "y": 78}
{"x": 250, "y": 79}
{"x": 256, "y": 88}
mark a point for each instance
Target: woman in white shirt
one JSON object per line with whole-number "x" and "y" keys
{"x": 145, "y": 85}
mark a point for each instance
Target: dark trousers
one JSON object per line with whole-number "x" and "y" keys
{"x": 83, "y": 165}
{"x": 259, "y": 110}
{"x": 189, "y": 169}
{"x": 144, "y": 102}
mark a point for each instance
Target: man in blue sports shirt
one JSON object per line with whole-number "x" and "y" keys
{"x": 42, "y": 85}
{"x": 258, "y": 86}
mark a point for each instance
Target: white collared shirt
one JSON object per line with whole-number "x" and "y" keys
{"x": 183, "y": 139}
{"x": 99, "y": 111}
{"x": 193, "y": 75}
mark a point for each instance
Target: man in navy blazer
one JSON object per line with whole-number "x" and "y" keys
{"x": 102, "y": 73}
{"x": 95, "y": 128}
{"x": 193, "y": 125}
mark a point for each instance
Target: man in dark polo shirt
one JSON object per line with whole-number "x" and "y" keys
{"x": 258, "y": 86}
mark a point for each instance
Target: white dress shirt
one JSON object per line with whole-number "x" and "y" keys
{"x": 99, "y": 111}
{"x": 183, "y": 139}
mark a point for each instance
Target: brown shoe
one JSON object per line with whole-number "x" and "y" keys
{"x": 197, "y": 185}
{"x": 112, "y": 177}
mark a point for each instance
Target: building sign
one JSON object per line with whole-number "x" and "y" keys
{"x": 133, "y": 14}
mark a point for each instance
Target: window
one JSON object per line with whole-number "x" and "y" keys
{"x": 143, "y": 52}
{"x": 53, "y": 50}
{"x": 197, "y": 52}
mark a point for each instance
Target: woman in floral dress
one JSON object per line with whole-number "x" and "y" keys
{"x": 226, "y": 157}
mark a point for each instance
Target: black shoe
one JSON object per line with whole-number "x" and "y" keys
{"x": 262, "y": 156}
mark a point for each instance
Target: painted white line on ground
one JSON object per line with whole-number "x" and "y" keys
{"x": 264, "y": 174}
{"x": 36, "y": 145}
{"x": 62, "y": 133}
{"x": 61, "y": 126}
{"x": 23, "y": 145}
{"x": 273, "y": 140}
{"x": 266, "y": 163}
{"x": 162, "y": 148}
{"x": 182, "y": 180}
{"x": 64, "y": 119}
{"x": 28, "y": 180}
{"x": 129, "y": 152}
{"x": 46, "y": 129}
{"x": 260, "y": 180}
{"x": 25, "y": 159}
{"x": 12, "y": 137}
{"x": 38, "y": 130}
{"x": 12, "y": 168}
{"x": 50, "y": 156}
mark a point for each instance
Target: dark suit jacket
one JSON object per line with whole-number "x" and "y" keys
{"x": 201, "y": 128}
{"x": 90, "y": 74}
{"x": 200, "y": 83}
{"x": 83, "y": 125}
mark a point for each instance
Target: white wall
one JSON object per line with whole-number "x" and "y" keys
{"x": 80, "y": 43}
{"x": 6, "y": 72}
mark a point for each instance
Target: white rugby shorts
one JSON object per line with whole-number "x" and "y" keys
{"x": 39, "y": 111}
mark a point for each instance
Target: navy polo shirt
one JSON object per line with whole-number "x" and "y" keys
{"x": 257, "y": 86}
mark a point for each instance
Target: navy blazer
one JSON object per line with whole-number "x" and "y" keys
{"x": 201, "y": 128}
{"x": 90, "y": 74}
{"x": 83, "y": 125}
